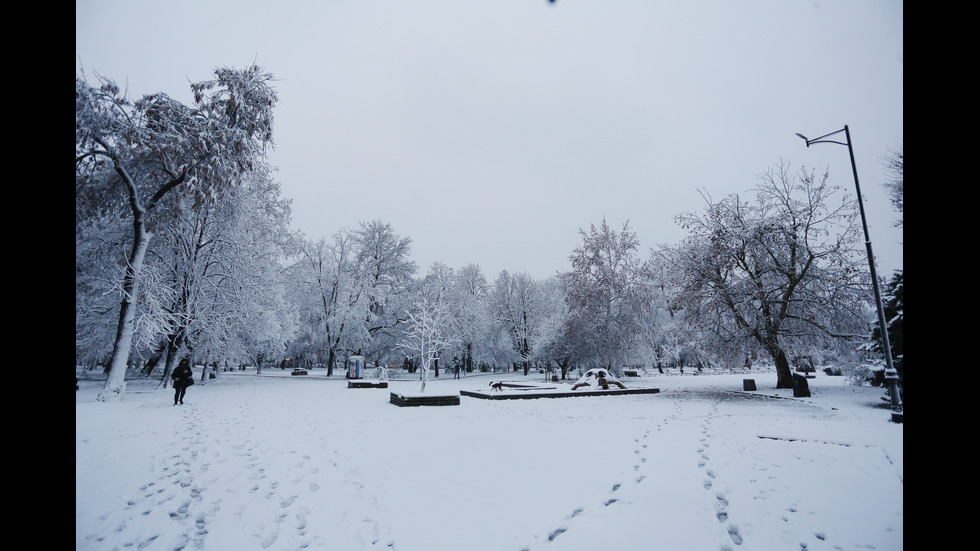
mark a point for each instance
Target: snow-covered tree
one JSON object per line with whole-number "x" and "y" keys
{"x": 431, "y": 328}
{"x": 356, "y": 288}
{"x": 517, "y": 306}
{"x": 893, "y": 303}
{"x": 339, "y": 303}
{"x": 100, "y": 234}
{"x": 661, "y": 333}
{"x": 386, "y": 271}
{"x": 893, "y": 294}
{"x": 237, "y": 263}
{"x": 783, "y": 269}
{"x": 896, "y": 186}
{"x": 552, "y": 344}
{"x": 474, "y": 316}
{"x": 155, "y": 147}
{"x": 209, "y": 266}
{"x": 608, "y": 293}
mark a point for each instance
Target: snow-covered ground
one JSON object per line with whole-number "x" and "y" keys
{"x": 302, "y": 462}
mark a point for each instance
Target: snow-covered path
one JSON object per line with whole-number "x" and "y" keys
{"x": 269, "y": 462}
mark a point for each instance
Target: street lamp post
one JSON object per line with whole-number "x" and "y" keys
{"x": 891, "y": 374}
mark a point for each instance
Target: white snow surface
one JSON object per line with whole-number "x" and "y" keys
{"x": 281, "y": 462}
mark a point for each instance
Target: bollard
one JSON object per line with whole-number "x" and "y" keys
{"x": 801, "y": 389}
{"x": 748, "y": 384}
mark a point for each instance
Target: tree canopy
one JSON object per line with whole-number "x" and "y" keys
{"x": 782, "y": 268}
{"x": 156, "y": 147}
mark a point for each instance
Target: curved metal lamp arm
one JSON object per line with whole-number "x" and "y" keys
{"x": 822, "y": 140}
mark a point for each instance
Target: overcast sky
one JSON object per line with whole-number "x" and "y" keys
{"x": 491, "y": 132}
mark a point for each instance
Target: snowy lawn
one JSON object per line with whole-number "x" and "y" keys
{"x": 302, "y": 462}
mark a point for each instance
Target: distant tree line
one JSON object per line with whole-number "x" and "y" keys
{"x": 182, "y": 248}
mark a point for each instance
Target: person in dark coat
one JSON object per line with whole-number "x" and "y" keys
{"x": 181, "y": 375}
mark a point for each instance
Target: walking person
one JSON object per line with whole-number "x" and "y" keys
{"x": 183, "y": 377}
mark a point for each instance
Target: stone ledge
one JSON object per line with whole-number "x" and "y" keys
{"x": 366, "y": 384}
{"x": 524, "y": 395}
{"x": 434, "y": 400}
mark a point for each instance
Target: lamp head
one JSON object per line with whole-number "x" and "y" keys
{"x": 804, "y": 139}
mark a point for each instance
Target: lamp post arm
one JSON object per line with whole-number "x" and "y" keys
{"x": 822, "y": 139}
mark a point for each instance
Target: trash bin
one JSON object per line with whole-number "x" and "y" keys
{"x": 355, "y": 367}
{"x": 748, "y": 384}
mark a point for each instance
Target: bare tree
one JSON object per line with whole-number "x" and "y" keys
{"x": 608, "y": 293}
{"x": 516, "y": 303}
{"x": 430, "y": 328}
{"x": 552, "y": 344}
{"x": 782, "y": 269}
{"x": 340, "y": 303}
{"x": 473, "y": 315}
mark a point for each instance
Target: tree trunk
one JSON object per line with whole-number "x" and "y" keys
{"x": 784, "y": 377}
{"x": 115, "y": 383}
{"x": 154, "y": 359}
{"x": 174, "y": 342}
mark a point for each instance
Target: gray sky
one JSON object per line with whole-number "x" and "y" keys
{"x": 492, "y": 131}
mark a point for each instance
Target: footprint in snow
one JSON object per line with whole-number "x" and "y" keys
{"x": 733, "y": 532}
{"x": 556, "y": 533}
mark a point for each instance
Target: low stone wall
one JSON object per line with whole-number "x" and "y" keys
{"x": 434, "y": 400}
{"x": 366, "y": 384}
{"x": 524, "y": 395}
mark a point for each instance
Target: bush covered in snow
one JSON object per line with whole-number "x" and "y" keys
{"x": 865, "y": 373}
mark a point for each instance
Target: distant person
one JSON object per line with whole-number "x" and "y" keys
{"x": 456, "y": 372}
{"x": 183, "y": 377}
